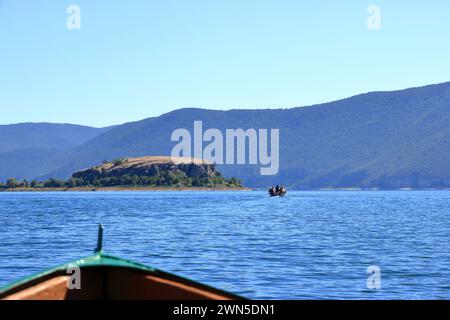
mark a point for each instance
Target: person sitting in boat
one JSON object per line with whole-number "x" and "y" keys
{"x": 272, "y": 191}
{"x": 282, "y": 190}
{"x": 277, "y": 189}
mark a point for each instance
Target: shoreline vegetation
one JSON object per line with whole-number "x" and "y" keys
{"x": 123, "y": 188}
{"x": 133, "y": 183}
{"x": 154, "y": 173}
{"x": 145, "y": 173}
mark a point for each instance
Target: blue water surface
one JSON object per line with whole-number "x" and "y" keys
{"x": 307, "y": 245}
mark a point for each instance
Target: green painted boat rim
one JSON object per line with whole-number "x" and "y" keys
{"x": 99, "y": 259}
{"x": 103, "y": 260}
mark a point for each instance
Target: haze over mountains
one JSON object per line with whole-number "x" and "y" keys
{"x": 375, "y": 140}
{"x": 28, "y": 149}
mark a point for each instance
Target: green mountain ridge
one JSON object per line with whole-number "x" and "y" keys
{"x": 31, "y": 149}
{"x": 390, "y": 139}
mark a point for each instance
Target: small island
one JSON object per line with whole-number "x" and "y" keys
{"x": 143, "y": 173}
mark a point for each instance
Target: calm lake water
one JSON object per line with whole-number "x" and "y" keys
{"x": 306, "y": 245}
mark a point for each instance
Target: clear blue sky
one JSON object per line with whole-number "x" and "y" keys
{"x": 136, "y": 59}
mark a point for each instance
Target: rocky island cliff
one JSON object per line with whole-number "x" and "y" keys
{"x": 153, "y": 171}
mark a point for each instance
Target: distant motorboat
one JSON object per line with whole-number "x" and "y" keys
{"x": 277, "y": 191}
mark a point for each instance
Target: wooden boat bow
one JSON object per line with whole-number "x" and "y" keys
{"x": 107, "y": 277}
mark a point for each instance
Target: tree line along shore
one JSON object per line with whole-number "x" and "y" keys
{"x": 126, "y": 182}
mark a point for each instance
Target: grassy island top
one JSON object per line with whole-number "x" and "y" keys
{"x": 148, "y": 160}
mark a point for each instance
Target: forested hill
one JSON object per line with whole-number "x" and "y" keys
{"x": 31, "y": 149}
{"x": 45, "y": 136}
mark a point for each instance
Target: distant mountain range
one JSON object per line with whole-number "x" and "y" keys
{"x": 381, "y": 140}
{"x": 31, "y": 149}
